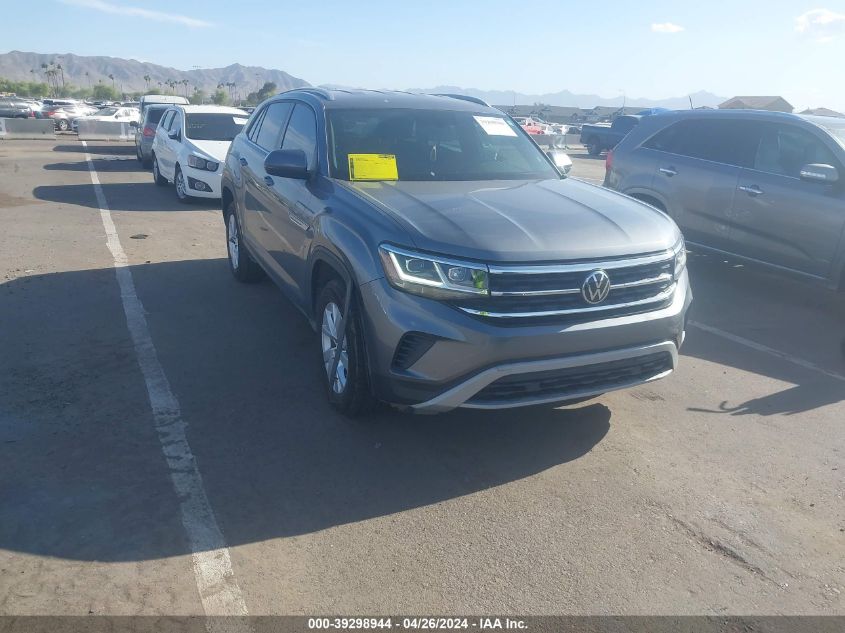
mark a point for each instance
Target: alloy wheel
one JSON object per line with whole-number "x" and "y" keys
{"x": 328, "y": 336}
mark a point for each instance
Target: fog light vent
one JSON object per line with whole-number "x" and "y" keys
{"x": 412, "y": 347}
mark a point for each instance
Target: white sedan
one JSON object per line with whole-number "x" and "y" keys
{"x": 122, "y": 115}
{"x": 190, "y": 146}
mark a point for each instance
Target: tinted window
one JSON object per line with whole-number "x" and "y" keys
{"x": 437, "y": 144}
{"x": 302, "y": 133}
{"x": 168, "y": 120}
{"x": 270, "y": 133}
{"x": 154, "y": 115}
{"x": 730, "y": 142}
{"x": 213, "y": 126}
{"x": 252, "y": 134}
{"x": 785, "y": 149}
{"x": 624, "y": 124}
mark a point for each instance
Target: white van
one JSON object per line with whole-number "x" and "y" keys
{"x": 168, "y": 99}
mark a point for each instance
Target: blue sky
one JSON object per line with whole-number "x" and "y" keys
{"x": 646, "y": 48}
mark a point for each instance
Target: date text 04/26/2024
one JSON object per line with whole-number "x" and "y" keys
{"x": 417, "y": 623}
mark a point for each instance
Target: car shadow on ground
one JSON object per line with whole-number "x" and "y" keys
{"x": 799, "y": 319}
{"x": 123, "y": 196}
{"x": 101, "y": 164}
{"x": 97, "y": 147}
{"x": 81, "y": 466}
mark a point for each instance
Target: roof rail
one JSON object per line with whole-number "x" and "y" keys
{"x": 319, "y": 92}
{"x": 464, "y": 98}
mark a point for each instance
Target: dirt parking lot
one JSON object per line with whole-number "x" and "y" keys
{"x": 716, "y": 491}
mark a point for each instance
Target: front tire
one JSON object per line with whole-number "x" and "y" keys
{"x": 158, "y": 179}
{"x": 243, "y": 266}
{"x": 348, "y": 390}
{"x": 181, "y": 186}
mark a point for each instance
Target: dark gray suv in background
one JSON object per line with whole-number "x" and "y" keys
{"x": 764, "y": 186}
{"x": 443, "y": 259}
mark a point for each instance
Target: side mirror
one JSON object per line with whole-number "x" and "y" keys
{"x": 287, "y": 163}
{"x": 560, "y": 159}
{"x": 175, "y": 135}
{"x": 815, "y": 172}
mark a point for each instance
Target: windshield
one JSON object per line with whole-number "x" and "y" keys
{"x": 213, "y": 126}
{"x": 836, "y": 129}
{"x": 433, "y": 145}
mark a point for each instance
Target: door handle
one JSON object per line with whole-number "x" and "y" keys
{"x": 668, "y": 171}
{"x": 752, "y": 191}
{"x": 243, "y": 161}
{"x": 268, "y": 181}
{"x": 298, "y": 221}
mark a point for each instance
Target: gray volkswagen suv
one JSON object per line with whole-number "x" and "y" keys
{"x": 441, "y": 257}
{"x": 763, "y": 186}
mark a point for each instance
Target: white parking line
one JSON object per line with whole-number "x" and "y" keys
{"x": 218, "y": 588}
{"x": 800, "y": 362}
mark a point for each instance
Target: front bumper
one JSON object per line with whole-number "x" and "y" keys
{"x": 210, "y": 179}
{"x": 469, "y": 358}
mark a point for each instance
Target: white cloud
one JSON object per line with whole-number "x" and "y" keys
{"x": 666, "y": 27}
{"x": 823, "y": 25}
{"x": 136, "y": 12}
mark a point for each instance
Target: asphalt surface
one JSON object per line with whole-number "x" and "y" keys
{"x": 716, "y": 491}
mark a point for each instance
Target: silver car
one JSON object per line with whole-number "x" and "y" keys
{"x": 145, "y": 132}
{"x": 767, "y": 187}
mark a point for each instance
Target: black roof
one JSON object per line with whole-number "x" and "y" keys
{"x": 358, "y": 98}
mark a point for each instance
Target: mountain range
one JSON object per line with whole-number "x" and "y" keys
{"x": 567, "y": 98}
{"x": 129, "y": 75}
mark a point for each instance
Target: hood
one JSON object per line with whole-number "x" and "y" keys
{"x": 214, "y": 149}
{"x": 522, "y": 221}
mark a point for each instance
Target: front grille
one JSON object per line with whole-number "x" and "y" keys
{"x": 572, "y": 381}
{"x": 522, "y": 295}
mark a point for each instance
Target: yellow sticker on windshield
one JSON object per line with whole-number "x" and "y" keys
{"x": 373, "y": 167}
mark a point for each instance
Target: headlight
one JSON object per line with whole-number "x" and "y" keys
{"x": 433, "y": 276}
{"x": 680, "y": 258}
{"x": 198, "y": 162}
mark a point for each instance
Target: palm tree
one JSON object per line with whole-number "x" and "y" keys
{"x": 184, "y": 82}
{"x": 88, "y": 77}
{"x": 147, "y": 81}
{"x": 111, "y": 76}
{"x": 231, "y": 86}
{"x": 62, "y": 71}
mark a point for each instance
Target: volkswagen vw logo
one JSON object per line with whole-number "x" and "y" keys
{"x": 596, "y": 287}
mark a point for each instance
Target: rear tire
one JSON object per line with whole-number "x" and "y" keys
{"x": 593, "y": 147}
{"x": 138, "y": 154}
{"x": 158, "y": 179}
{"x": 349, "y": 389}
{"x": 243, "y": 266}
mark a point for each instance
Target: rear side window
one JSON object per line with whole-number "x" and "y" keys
{"x": 785, "y": 149}
{"x": 731, "y": 142}
{"x": 270, "y": 133}
{"x": 302, "y": 133}
{"x": 624, "y": 125}
{"x": 154, "y": 115}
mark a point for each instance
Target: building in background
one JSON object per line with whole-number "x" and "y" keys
{"x": 822, "y": 112}
{"x": 772, "y": 104}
